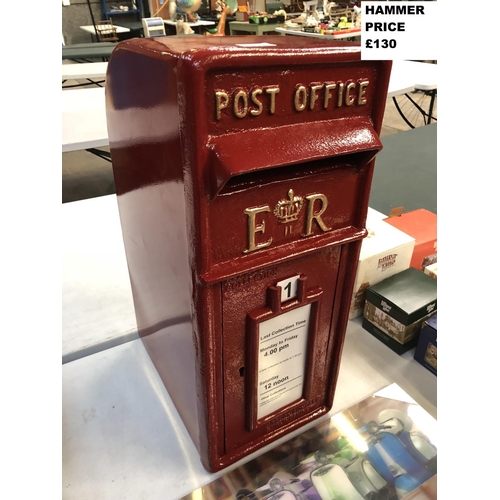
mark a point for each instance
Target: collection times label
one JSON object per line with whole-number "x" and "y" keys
{"x": 282, "y": 360}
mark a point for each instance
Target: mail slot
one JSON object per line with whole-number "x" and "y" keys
{"x": 243, "y": 173}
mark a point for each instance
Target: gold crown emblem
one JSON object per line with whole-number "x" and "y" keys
{"x": 288, "y": 210}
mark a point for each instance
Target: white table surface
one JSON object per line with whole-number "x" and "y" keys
{"x": 76, "y": 71}
{"x": 97, "y": 305}
{"x": 83, "y": 119}
{"x": 84, "y": 116}
{"x": 425, "y": 75}
{"x": 409, "y": 75}
{"x": 200, "y": 22}
{"x": 338, "y": 36}
{"x": 90, "y": 28}
{"x": 123, "y": 438}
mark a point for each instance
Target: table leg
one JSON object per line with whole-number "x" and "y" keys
{"x": 431, "y": 106}
{"x": 411, "y": 107}
{"x": 104, "y": 155}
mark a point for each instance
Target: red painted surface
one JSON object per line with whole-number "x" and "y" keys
{"x": 189, "y": 170}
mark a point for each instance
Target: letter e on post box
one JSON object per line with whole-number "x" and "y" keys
{"x": 243, "y": 173}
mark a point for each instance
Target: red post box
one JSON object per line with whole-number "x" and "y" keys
{"x": 243, "y": 173}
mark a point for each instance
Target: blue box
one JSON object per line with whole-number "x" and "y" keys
{"x": 426, "y": 351}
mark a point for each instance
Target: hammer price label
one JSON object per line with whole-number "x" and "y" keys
{"x": 399, "y": 30}
{"x": 282, "y": 360}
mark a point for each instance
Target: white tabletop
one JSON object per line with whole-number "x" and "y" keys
{"x": 407, "y": 76}
{"x": 83, "y": 119}
{"x": 92, "y": 70}
{"x": 123, "y": 438}
{"x": 90, "y": 28}
{"x": 424, "y": 75}
{"x": 337, "y": 36}
{"x": 97, "y": 305}
{"x": 200, "y": 22}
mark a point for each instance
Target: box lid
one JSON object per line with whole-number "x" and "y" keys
{"x": 421, "y": 224}
{"x": 406, "y": 296}
{"x": 374, "y": 215}
{"x": 382, "y": 237}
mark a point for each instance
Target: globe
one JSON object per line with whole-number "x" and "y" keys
{"x": 188, "y": 6}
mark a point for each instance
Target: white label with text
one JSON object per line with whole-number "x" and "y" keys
{"x": 282, "y": 360}
{"x": 399, "y": 30}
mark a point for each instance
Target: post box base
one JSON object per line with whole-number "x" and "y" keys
{"x": 171, "y": 351}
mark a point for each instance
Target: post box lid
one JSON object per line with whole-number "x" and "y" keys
{"x": 314, "y": 141}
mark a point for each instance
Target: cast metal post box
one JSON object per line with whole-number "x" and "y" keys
{"x": 243, "y": 172}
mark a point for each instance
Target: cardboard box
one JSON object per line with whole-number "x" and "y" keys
{"x": 426, "y": 351}
{"x": 242, "y": 16}
{"x": 396, "y": 307}
{"x": 385, "y": 251}
{"x": 421, "y": 225}
{"x": 432, "y": 270}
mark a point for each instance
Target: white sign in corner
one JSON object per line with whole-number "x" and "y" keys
{"x": 400, "y": 30}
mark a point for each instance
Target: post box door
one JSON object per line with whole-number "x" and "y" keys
{"x": 294, "y": 359}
